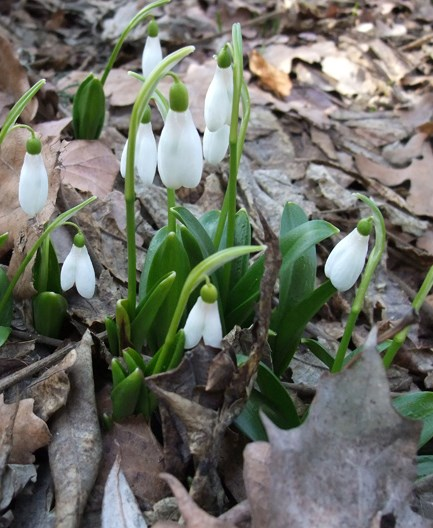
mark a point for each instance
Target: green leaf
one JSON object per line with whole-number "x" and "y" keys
{"x": 170, "y": 256}
{"x": 4, "y": 334}
{"x": 292, "y": 324}
{"x": 148, "y": 309}
{"x": 196, "y": 229}
{"x": 3, "y": 238}
{"x": 123, "y": 323}
{"x": 124, "y": 396}
{"x": 209, "y": 221}
{"x": 174, "y": 351}
{"x": 424, "y": 466}
{"x": 319, "y": 351}
{"x": 6, "y": 314}
{"x": 133, "y": 360}
{"x": 118, "y": 373}
{"x": 88, "y": 109}
{"x": 242, "y": 238}
{"x": 112, "y": 335}
{"x": 157, "y": 240}
{"x": 417, "y": 406}
{"x": 46, "y": 270}
{"x": 192, "y": 247}
{"x": 249, "y": 421}
{"x": 244, "y": 294}
{"x": 49, "y": 312}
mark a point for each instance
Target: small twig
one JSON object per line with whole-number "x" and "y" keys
{"x": 417, "y": 43}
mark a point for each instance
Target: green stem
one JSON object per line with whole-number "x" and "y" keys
{"x": 18, "y": 107}
{"x": 171, "y": 202}
{"x": 140, "y": 104}
{"x": 139, "y": 17}
{"x": 60, "y": 220}
{"x": 400, "y": 338}
{"x": 196, "y": 276}
{"x": 372, "y": 263}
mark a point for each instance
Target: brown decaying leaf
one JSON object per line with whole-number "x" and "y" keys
{"x": 270, "y": 77}
{"x": 29, "y": 432}
{"x": 75, "y": 451}
{"x": 88, "y": 166}
{"x": 121, "y": 88}
{"x": 420, "y": 197}
{"x": 119, "y": 507}
{"x": 13, "y": 78}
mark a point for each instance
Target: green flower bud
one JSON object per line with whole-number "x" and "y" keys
{"x": 224, "y": 57}
{"x": 33, "y": 146}
{"x": 179, "y": 99}
{"x": 88, "y": 111}
{"x": 365, "y": 225}
{"x": 209, "y": 293}
{"x": 79, "y": 240}
{"x": 49, "y": 312}
{"x": 153, "y": 28}
{"x": 147, "y": 116}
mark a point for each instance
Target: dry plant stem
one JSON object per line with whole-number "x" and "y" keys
{"x": 372, "y": 263}
{"x": 418, "y": 301}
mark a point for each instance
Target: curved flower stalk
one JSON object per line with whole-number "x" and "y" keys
{"x": 180, "y": 158}
{"x": 146, "y": 153}
{"x": 152, "y": 52}
{"x": 346, "y": 261}
{"x": 204, "y": 320}
{"x": 78, "y": 269}
{"x": 33, "y": 186}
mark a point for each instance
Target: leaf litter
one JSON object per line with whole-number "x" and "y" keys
{"x": 340, "y": 101}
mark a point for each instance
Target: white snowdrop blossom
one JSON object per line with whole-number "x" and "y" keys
{"x": 78, "y": 269}
{"x": 145, "y": 154}
{"x": 346, "y": 261}
{"x": 33, "y": 186}
{"x": 218, "y": 101}
{"x": 152, "y": 55}
{"x": 215, "y": 144}
{"x": 203, "y": 322}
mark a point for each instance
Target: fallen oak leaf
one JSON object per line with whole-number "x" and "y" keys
{"x": 271, "y": 78}
{"x": 29, "y": 432}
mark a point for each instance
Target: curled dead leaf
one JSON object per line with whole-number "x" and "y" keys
{"x": 272, "y": 78}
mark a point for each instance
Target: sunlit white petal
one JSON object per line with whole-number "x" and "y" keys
{"x": 346, "y": 261}
{"x": 215, "y": 144}
{"x": 218, "y": 101}
{"x": 146, "y": 155}
{"x": 180, "y": 158}
{"x": 152, "y": 55}
{"x": 85, "y": 274}
{"x": 194, "y": 324}
{"x": 212, "y": 331}
{"x": 69, "y": 269}
{"x": 33, "y": 186}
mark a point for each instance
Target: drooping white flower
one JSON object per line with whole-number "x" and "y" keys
{"x": 33, "y": 186}
{"x": 152, "y": 52}
{"x": 215, "y": 144}
{"x": 78, "y": 269}
{"x": 180, "y": 157}
{"x": 218, "y": 101}
{"x": 146, "y": 154}
{"x": 203, "y": 322}
{"x": 346, "y": 261}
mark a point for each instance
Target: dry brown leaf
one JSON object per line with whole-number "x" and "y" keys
{"x": 420, "y": 196}
{"x": 76, "y": 448}
{"x": 13, "y": 78}
{"x": 270, "y": 77}
{"x": 29, "y": 432}
{"x": 88, "y": 166}
{"x": 121, "y": 88}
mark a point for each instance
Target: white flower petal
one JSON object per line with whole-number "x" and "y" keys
{"x": 152, "y": 55}
{"x": 194, "y": 324}
{"x": 33, "y": 186}
{"x": 180, "y": 158}
{"x": 212, "y": 331}
{"x": 218, "y": 101}
{"x": 123, "y": 160}
{"x": 215, "y": 144}
{"x": 146, "y": 154}
{"x": 85, "y": 275}
{"x": 69, "y": 268}
{"x": 346, "y": 261}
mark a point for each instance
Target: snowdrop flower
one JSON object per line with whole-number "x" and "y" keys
{"x": 215, "y": 144}
{"x": 33, "y": 186}
{"x": 145, "y": 152}
{"x": 204, "y": 320}
{"x": 346, "y": 261}
{"x": 78, "y": 269}
{"x": 152, "y": 53}
{"x": 218, "y": 101}
{"x": 180, "y": 158}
